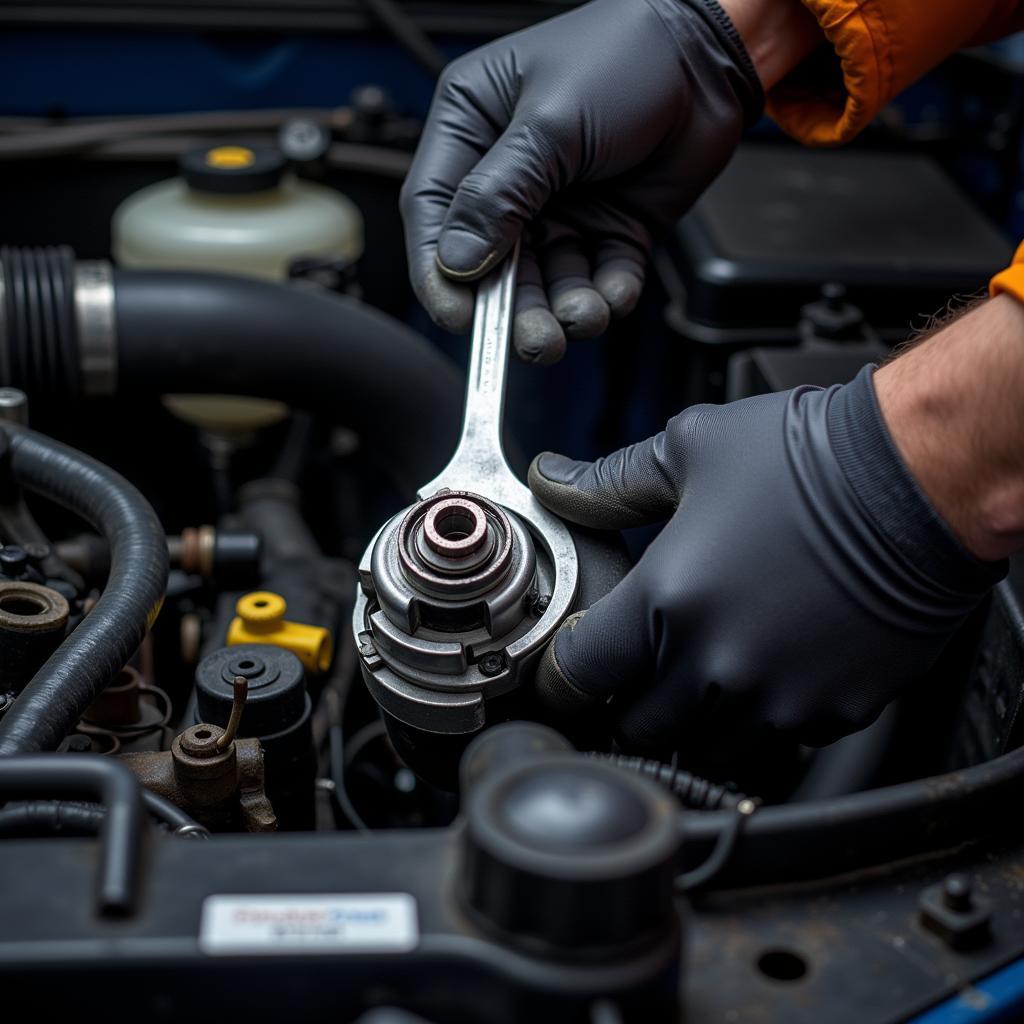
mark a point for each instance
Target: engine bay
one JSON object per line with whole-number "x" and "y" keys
{"x": 274, "y": 597}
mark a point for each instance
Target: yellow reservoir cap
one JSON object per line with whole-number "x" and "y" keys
{"x": 230, "y": 157}
{"x": 260, "y": 620}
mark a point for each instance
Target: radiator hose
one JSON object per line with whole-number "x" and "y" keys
{"x": 69, "y": 681}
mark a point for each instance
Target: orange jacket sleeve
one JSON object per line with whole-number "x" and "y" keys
{"x": 1010, "y": 280}
{"x": 882, "y": 46}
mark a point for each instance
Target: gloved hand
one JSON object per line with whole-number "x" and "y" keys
{"x": 595, "y": 129}
{"x": 803, "y": 578}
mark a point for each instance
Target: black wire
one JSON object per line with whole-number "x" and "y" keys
{"x": 336, "y": 742}
{"x": 716, "y": 861}
{"x": 693, "y": 792}
{"x": 171, "y": 814}
{"x": 41, "y": 139}
{"x": 362, "y": 738}
{"x": 75, "y": 818}
{"x": 408, "y": 34}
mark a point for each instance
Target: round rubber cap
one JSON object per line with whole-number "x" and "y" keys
{"x": 233, "y": 170}
{"x": 570, "y": 808}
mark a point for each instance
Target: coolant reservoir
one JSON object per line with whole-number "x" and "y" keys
{"x": 237, "y": 210}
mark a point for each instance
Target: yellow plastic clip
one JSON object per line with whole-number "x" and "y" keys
{"x": 260, "y": 620}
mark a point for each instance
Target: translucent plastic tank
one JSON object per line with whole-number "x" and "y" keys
{"x": 236, "y": 210}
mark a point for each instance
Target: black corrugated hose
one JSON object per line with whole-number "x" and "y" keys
{"x": 692, "y": 791}
{"x": 50, "y": 705}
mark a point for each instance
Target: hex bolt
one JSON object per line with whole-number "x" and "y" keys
{"x": 957, "y": 892}
{"x": 541, "y": 604}
{"x": 492, "y": 664}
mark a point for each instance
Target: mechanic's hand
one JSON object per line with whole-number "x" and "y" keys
{"x": 803, "y": 578}
{"x": 595, "y": 129}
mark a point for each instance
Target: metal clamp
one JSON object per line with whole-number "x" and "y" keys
{"x": 97, "y": 327}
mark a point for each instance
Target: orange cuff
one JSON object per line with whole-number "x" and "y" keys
{"x": 877, "y": 48}
{"x": 1010, "y": 280}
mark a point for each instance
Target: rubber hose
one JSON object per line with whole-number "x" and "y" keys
{"x": 51, "y": 818}
{"x": 69, "y": 681}
{"x": 61, "y": 817}
{"x": 215, "y": 333}
{"x": 693, "y": 792}
{"x": 169, "y": 813}
{"x": 829, "y": 837}
{"x": 89, "y": 775}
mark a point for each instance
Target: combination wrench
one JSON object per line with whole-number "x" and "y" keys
{"x": 445, "y": 622}
{"x": 479, "y": 463}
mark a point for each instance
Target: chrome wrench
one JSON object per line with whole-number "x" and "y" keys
{"x": 479, "y": 463}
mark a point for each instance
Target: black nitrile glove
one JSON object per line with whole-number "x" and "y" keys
{"x": 596, "y": 130}
{"x": 803, "y": 578}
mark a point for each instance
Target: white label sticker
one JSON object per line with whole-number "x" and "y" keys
{"x": 329, "y": 923}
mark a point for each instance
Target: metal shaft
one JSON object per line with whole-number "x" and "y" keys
{"x": 480, "y": 454}
{"x": 488, "y": 358}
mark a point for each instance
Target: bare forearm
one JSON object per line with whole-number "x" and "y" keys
{"x": 778, "y": 34}
{"x": 954, "y": 405}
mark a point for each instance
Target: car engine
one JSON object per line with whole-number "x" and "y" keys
{"x": 273, "y": 594}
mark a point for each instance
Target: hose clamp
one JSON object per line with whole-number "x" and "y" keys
{"x": 97, "y": 327}
{"x": 193, "y": 831}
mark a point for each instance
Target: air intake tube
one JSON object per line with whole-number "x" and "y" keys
{"x": 75, "y": 329}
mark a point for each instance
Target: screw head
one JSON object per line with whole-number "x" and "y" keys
{"x": 492, "y": 664}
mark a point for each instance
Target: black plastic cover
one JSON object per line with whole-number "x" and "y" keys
{"x": 781, "y": 220}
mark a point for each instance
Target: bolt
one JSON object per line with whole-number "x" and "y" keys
{"x": 13, "y": 560}
{"x": 76, "y": 743}
{"x": 957, "y": 892}
{"x": 492, "y": 664}
{"x": 541, "y": 604}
